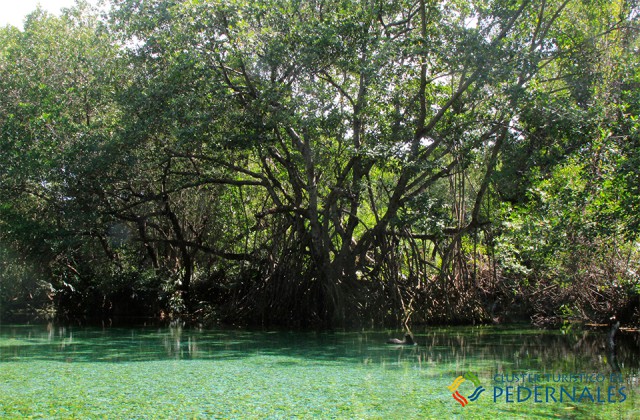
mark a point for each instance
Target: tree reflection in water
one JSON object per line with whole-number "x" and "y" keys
{"x": 484, "y": 349}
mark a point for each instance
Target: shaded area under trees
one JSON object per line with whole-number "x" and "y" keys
{"x": 322, "y": 163}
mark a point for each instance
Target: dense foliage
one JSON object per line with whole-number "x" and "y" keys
{"x": 325, "y": 162}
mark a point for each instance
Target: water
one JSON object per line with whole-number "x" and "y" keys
{"x": 58, "y": 372}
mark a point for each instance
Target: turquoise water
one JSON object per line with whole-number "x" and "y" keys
{"x": 58, "y": 372}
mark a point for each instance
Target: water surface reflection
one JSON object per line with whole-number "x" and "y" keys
{"x": 486, "y": 348}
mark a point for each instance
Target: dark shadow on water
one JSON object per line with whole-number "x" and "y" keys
{"x": 486, "y": 348}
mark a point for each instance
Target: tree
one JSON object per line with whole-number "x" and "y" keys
{"x": 56, "y": 122}
{"x": 344, "y": 114}
{"x": 316, "y": 162}
{"x": 569, "y": 232}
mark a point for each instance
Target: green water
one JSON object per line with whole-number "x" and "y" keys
{"x": 57, "y": 372}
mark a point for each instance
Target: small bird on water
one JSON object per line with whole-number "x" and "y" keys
{"x": 408, "y": 340}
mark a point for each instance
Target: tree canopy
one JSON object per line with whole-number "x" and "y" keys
{"x": 322, "y": 162}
